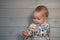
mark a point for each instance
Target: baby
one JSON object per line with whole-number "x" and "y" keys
{"x": 39, "y": 29}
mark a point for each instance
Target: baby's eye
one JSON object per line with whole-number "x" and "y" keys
{"x": 38, "y": 18}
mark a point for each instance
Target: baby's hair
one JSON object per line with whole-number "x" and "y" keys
{"x": 39, "y": 8}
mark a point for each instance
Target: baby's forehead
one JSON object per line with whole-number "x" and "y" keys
{"x": 40, "y": 13}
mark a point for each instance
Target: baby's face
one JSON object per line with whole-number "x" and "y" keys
{"x": 39, "y": 18}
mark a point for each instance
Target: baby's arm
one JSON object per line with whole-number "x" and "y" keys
{"x": 31, "y": 29}
{"x": 48, "y": 28}
{"x": 24, "y": 33}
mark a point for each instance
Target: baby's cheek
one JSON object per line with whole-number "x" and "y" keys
{"x": 40, "y": 21}
{"x": 35, "y": 21}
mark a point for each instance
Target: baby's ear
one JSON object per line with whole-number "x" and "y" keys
{"x": 46, "y": 17}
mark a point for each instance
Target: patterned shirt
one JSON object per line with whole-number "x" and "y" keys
{"x": 42, "y": 32}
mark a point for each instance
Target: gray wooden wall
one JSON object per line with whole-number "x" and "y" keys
{"x": 15, "y": 15}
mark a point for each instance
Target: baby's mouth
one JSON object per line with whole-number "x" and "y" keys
{"x": 37, "y": 24}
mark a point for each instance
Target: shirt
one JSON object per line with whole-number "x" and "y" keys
{"x": 42, "y": 32}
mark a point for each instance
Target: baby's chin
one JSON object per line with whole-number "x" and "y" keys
{"x": 37, "y": 24}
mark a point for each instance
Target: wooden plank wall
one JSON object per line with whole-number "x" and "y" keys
{"x": 15, "y": 15}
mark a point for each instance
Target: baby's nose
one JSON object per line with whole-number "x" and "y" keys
{"x": 36, "y": 20}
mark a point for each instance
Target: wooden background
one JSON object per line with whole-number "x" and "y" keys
{"x": 15, "y": 15}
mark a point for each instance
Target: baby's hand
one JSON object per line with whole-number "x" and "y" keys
{"x": 30, "y": 33}
{"x": 24, "y": 33}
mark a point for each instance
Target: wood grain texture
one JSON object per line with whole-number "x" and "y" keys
{"x": 29, "y": 3}
{"x": 23, "y": 12}
{"x": 15, "y": 15}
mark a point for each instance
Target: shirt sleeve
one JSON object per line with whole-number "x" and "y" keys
{"x": 48, "y": 28}
{"x": 31, "y": 26}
